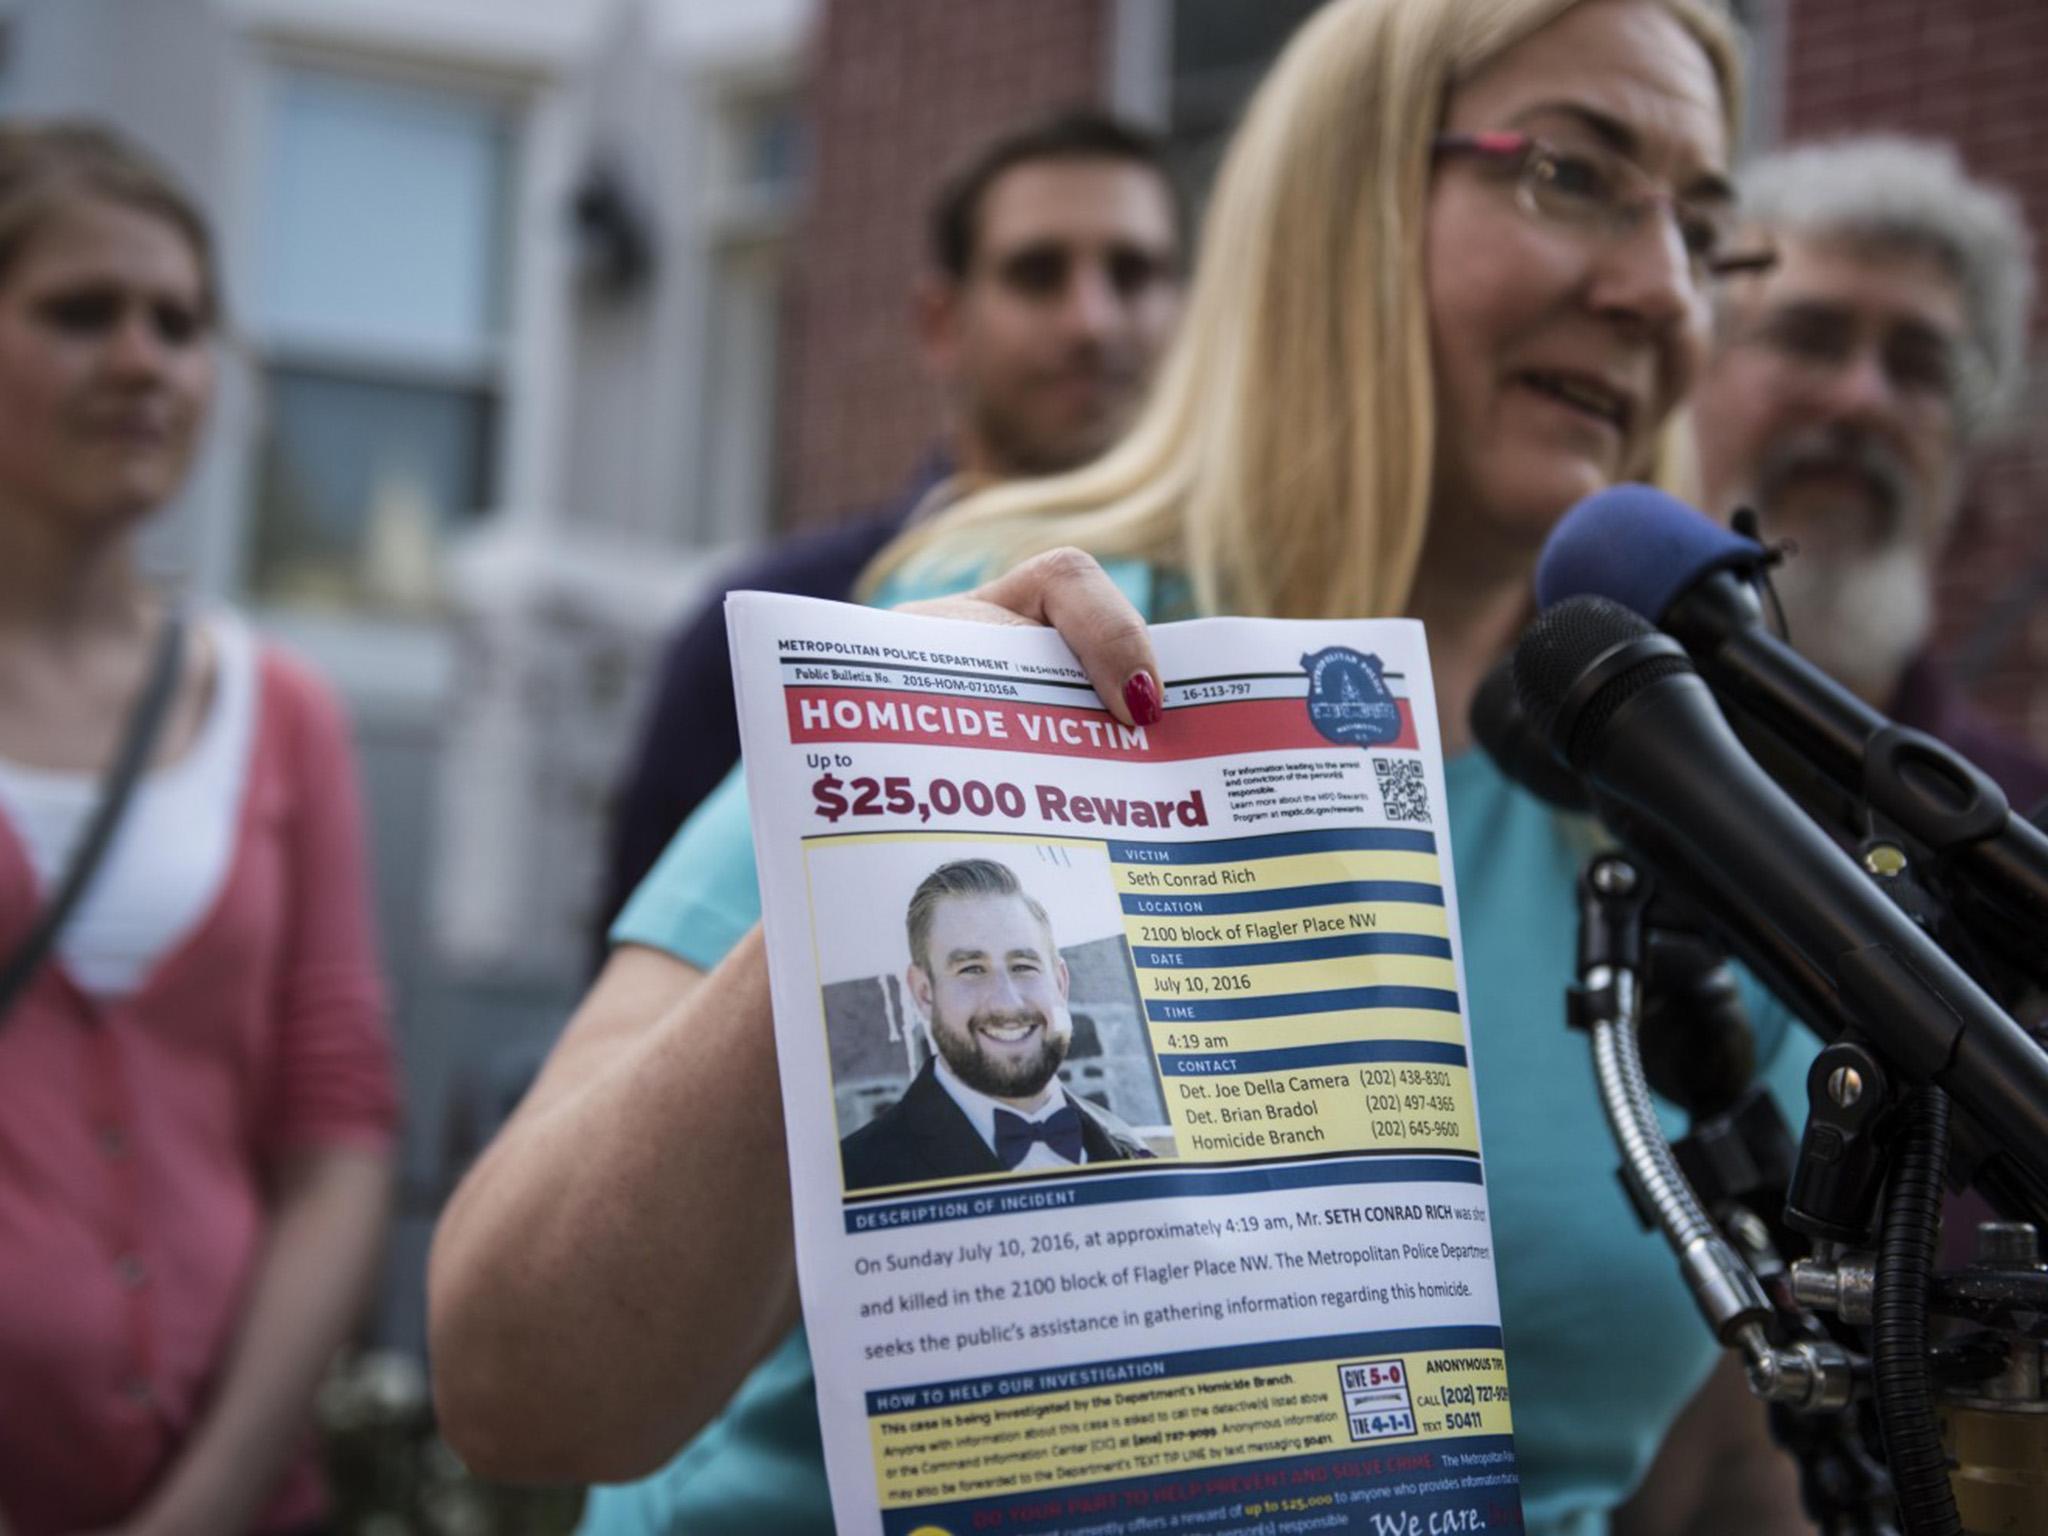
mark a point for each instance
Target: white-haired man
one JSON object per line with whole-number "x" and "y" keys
{"x": 1843, "y": 395}
{"x": 1845, "y": 392}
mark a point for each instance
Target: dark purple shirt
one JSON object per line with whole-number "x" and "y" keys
{"x": 1928, "y": 701}
{"x": 691, "y": 736}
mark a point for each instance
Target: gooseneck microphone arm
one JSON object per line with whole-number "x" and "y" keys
{"x": 1613, "y": 894}
{"x": 1806, "y": 1374}
{"x": 1624, "y": 707}
{"x": 1650, "y": 752}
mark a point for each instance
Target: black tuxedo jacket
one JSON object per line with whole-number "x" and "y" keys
{"x": 924, "y": 1135}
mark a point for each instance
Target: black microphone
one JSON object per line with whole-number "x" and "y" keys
{"x": 1502, "y": 727}
{"x": 1680, "y": 570}
{"x": 1697, "y": 1047}
{"x": 1623, "y": 706}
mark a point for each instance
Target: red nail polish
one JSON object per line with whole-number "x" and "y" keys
{"x": 1141, "y": 698}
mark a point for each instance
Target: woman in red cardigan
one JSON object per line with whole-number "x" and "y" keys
{"x": 195, "y": 1084}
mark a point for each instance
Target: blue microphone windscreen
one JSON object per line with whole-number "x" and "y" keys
{"x": 1639, "y": 547}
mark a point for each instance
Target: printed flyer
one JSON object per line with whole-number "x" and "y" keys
{"x": 1132, "y": 1134}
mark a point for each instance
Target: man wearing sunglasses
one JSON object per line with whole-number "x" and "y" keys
{"x": 1846, "y": 392}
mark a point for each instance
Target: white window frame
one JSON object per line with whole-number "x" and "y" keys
{"x": 1141, "y": 60}
{"x": 482, "y": 367}
{"x": 10, "y": 40}
{"x": 1763, "y": 125}
{"x": 524, "y": 367}
{"x": 730, "y": 216}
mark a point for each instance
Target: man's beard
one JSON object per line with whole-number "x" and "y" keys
{"x": 1859, "y": 619}
{"x": 1858, "y": 606}
{"x": 1843, "y": 453}
{"x": 1023, "y": 445}
{"x": 1005, "y": 1076}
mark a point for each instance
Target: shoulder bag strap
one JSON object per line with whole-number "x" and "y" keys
{"x": 145, "y": 723}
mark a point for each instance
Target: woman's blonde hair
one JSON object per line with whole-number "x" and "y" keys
{"x": 1282, "y": 462}
{"x": 48, "y": 166}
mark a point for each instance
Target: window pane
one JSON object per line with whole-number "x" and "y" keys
{"x": 768, "y": 140}
{"x": 1228, "y": 36}
{"x": 1221, "y": 50}
{"x": 737, "y": 445}
{"x": 358, "y": 483}
{"x": 382, "y": 216}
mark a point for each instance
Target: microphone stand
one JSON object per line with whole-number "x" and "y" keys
{"x": 1796, "y": 1327}
{"x": 1699, "y": 1053}
{"x": 1810, "y": 1381}
{"x": 1860, "y": 1424}
{"x": 1613, "y": 894}
{"x": 1961, "y": 907}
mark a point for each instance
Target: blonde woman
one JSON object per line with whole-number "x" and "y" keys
{"x": 1455, "y": 276}
{"x": 196, "y": 1102}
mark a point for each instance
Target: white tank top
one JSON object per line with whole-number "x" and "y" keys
{"x": 171, "y": 853}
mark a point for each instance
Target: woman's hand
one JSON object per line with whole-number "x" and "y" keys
{"x": 1068, "y": 590}
{"x": 622, "y": 1254}
{"x": 319, "y": 1256}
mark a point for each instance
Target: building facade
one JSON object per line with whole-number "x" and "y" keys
{"x": 1972, "y": 71}
{"x": 498, "y": 390}
{"x": 541, "y": 310}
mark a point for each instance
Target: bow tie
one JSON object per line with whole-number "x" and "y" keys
{"x": 1060, "y": 1130}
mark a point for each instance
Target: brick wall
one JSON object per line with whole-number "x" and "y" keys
{"x": 901, "y": 90}
{"x": 1974, "y": 72}
{"x": 858, "y": 412}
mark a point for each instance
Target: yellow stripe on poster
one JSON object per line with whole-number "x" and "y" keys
{"x": 1288, "y": 924}
{"x": 1316, "y": 1109}
{"x": 1183, "y": 1423}
{"x": 1340, "y": 1026}
{"x": 1274, "y": 873}
{"x": 1179, "y": 984}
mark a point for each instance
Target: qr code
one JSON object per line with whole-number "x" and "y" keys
{"x": 1401, "y": 788}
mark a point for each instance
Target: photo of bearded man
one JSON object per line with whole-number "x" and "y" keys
{"x": 987, "y": 976}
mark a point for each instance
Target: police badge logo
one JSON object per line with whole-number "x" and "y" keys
{"x": 1348, "y": 698}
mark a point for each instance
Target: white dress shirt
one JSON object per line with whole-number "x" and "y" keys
{"x": 171, "y": 853}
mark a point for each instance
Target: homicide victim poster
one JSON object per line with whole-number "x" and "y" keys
{"x": 1132, "y": 1134}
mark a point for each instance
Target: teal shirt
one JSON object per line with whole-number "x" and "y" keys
{"x": 1604, "y": 1346}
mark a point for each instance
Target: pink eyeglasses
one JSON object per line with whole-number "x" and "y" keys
{"x": 1605, "y": 195}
